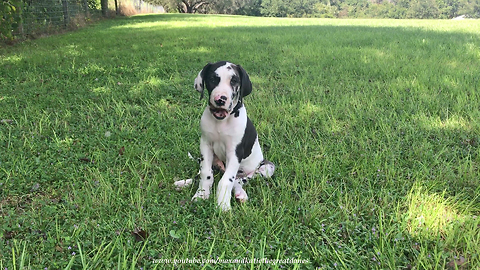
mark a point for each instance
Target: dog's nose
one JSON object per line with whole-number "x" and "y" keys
{"x": 220, "y": 101}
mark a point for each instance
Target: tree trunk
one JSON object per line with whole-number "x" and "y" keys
{"x": 186, "y": 7}
{"x": 104, "y": 4}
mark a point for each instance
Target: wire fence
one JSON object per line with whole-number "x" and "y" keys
{"x": 43, "y": 16}
{"x": 49, "y": 16}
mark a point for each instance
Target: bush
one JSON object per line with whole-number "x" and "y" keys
{"x": 11, "y": 19}
{"x": 127, "y": 9}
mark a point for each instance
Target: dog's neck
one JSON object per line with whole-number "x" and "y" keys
{"x": 236, "y": 109}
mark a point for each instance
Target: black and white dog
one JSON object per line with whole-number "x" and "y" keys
{"x": 229, "y": 139}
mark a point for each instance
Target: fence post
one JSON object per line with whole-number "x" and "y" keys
{"x": 65, "y": 12}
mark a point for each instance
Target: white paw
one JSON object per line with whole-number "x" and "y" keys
{"x": 241, "y": 196}
{"x": 201, "y": 194}
{"x": 225, "y": 206}
{"x": 183, "y": 183}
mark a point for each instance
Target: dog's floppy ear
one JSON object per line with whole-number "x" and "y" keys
{"x": 246, "y": 84}
{"x": 200, "y": 81}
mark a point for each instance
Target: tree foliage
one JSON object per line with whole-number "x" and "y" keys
{"x": 10, "y": 19}
{"x": 181, "y": 6}
{"x": 399, "y": 9}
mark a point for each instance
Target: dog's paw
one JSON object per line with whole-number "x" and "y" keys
{"x": 241, "y": 196}
{"x": 225, "y": 206}
{"x": 266, "y": 169}
{"x": 182, "y": 183}
{"x": 201, "y": 194}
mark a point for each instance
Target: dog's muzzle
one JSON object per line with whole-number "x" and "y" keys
{"x": 218, "y": 107}
{"x": 218, "y": 113}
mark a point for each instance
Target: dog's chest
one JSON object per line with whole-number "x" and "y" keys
{"x": 223, "y": 135}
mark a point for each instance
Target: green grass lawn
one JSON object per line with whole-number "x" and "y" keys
{"x": 373, "y": 126}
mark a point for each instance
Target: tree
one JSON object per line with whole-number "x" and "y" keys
{"x": 181, "y": 6}
{"x": 104, "y": 4}
{"x": 10, "y": 19}
{"x": 423, "y": 9}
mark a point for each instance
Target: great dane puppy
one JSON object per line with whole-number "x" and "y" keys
{"x": 229, "y": 139}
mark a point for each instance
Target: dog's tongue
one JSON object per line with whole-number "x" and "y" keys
{"x": 220, "y": 113}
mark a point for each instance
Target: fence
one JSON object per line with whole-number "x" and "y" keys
{"x": 49, "y": 16}
{"x": 43, "y": 16}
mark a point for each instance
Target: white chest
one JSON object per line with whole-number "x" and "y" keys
{"x": 223, "y": 135}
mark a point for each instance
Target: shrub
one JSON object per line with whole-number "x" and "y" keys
{"x": 127, "y": 9}
{"x": 11, "y": 19}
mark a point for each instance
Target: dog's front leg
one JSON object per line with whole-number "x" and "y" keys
{"x": 224, "y": 190}
{"x": 206, "y": 174}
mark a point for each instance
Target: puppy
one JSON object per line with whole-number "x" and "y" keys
{"x": 229, "y": 139}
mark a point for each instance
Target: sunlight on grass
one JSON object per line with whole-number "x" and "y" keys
{"x": 12, "y": 59}
{"x": 101, "y": 90}
{"x": 451, "y": 123}
{"x": 309, "y": 108}
{"x": 431, "y": 215}
{"x": 72, "y": 50}
{"x": 473, "y": 49}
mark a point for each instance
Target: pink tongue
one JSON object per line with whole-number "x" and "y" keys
{"x": 221, "y": 113}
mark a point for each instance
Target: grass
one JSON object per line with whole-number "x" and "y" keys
{"x": 372, "y": 124}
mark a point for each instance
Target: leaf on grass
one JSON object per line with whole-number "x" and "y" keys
{"x": 9, "y": 235}
{"x": 183, "y": 202}
{"x": 85, "y": 159}
{"x": 140, "y": 234}
{"x": 173, "y": 234}
{"x": 457, "y": 263}
{"x": 120, "y": 152}
{"x": 6, "y": 121}
{"x": 471, "y": 142}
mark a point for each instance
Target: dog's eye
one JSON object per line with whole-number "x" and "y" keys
{"x": 234, "y": 80}
{"x": 213, "y": 79}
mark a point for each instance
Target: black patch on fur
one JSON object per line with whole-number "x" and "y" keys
{"x": 244, "y": 180}
{"x": 209, "y": 77}
{"x": 236, "y": 109}
{"x": 245, "y": 83}
{"x": 210, "y": 80}
{"x": 244, "y": 148}
{"x": 209, "y": 177}
{"x": 230, "y": 179}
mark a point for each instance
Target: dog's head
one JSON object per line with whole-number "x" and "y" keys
{"x": 226, "y": 84}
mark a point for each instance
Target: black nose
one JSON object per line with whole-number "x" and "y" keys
{"x": 221, "y": 101}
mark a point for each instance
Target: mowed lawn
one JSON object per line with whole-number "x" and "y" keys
{"x": 373, "y": 126}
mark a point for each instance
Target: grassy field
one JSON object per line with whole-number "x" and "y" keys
{"x": 373, "y": 126}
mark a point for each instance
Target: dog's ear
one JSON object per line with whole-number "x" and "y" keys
{"x": 246, "y": 84}
{"x": 200, "y": 81}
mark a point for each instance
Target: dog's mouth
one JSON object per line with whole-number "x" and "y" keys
{"x": 219, "y": 113}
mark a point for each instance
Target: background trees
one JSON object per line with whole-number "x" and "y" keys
{"x": 399, "y": 9}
